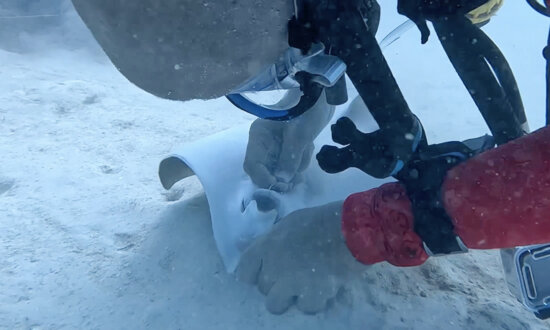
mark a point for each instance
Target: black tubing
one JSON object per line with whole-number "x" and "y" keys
{"x": 485, "y": 73}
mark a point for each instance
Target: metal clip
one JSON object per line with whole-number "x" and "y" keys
{"x": 463, "y": 249}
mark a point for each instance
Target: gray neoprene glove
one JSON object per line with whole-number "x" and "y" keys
{"x": 303, "y": 260}
{"x": 278, "y": 152}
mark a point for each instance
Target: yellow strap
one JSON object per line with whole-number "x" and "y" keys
{"x": 484, "y": 12}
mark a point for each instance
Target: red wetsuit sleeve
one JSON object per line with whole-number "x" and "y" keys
{"x": 501, "y": 198}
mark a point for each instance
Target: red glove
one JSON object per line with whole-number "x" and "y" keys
{"x": 498, "y": 199}
{"x": 378, "y": 226}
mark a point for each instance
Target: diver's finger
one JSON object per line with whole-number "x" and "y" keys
{"x": 314, "y": 298}
{"x": 281, "y": 296}
{"x": 289, "y": 161}
{"x": 259, "y": 174}
{"x": 249, "y": 267}
{"x": 306, "y": 157}
{"x": 265, "y": 281}
{"x": 281, "y": 187}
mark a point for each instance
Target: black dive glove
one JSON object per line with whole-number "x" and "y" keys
{"x": 419, "y": 11}
{"x": 380, "y": 154}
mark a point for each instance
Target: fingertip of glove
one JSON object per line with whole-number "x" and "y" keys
{"x": 248, "y": 271}
{"x": 279, "y": 305}
{"x": 311, "y": 305}
{"x": 265, "y": 283}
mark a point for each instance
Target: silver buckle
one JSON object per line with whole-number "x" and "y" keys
{"x": 461, "y": 245}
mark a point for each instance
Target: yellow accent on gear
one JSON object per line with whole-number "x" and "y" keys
{"x": 483, "y": 13}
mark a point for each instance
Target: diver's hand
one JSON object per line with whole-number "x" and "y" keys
{"x": 278, "y": 152}
{"x": 303, "y": 260}
{"x": 274, "y": 158}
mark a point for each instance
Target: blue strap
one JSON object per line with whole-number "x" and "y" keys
{"x": 252, "y": 108}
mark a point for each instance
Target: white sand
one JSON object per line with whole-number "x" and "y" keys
{"x": 89, "y": 240}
